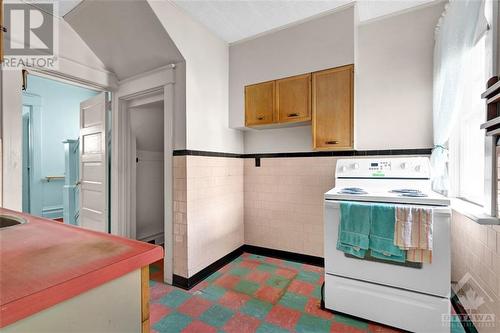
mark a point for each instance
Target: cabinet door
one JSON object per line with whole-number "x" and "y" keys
{"x": 332, "y": 102}
{"x": 293, "y": 99}
{"x": 259, "y": 104}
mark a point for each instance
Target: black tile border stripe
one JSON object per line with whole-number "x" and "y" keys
{"x": 188, "y": 283}
{"x": 390, "y": 152}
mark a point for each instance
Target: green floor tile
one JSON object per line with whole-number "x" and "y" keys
{"x": 256, "y": 308}
{"x": 213, "y": 276}
{"x": 351, "y": 321}
{"x": 269, "y": 328}
{"x": 310, "y": 324}
{"x": 216, "y": 315}
{"x": 316, "y": 293}
{"x": 278, "y": 281}
{"x": 175, "y": 298}
{"x": 247, "y": 287}
{"x": 265, "y": 267}
{"x": 296, "y": 265}
{"x": 213, "y": 293}
{"x": 172, "y": 323}
{"x": 294, "y": 301}
{"x": 456, "y": 325}
{"x": 239, "y": 271}
{"x": 312, "y": 277}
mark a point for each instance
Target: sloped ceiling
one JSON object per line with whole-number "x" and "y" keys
{"x": 237, "y": 20}
{"x": 126, "y": 35}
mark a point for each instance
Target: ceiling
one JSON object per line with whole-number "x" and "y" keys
{"x": 237, "y": 20}
{"x": 115, "y": 32}
{"x": 234, "y": 21}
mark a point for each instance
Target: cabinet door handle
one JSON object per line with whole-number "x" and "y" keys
{"x": 333, "y": 142}
{"x": 260, "y": 118}
{"x": 293, "y": 115}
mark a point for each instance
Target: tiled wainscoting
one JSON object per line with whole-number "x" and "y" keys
{"x": 208, "y": 211}
{"x": 476, "y": 259}
{"x": 284, "y": 202}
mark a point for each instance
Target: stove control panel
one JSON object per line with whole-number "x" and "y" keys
{"x": 398, "y": 167}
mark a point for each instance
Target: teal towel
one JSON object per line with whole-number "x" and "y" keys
{"x": 383, "y": 220}
{"x": 354, "y": 228}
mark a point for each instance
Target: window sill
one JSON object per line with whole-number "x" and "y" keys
{"x": 473, "y": 212}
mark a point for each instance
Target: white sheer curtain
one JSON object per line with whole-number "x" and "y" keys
{"x": 459, "y": 28}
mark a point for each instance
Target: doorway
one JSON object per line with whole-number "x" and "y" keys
{"x": 147, "y": 171}
{"x": 51, "y": 154}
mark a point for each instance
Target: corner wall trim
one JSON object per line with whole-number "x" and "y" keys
{"x": 391, "y": 152}
{"x": 188, "y": 283}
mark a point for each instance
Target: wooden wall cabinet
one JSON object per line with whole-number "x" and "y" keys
{"x": 293, "y": 99}
{"x": 260, "y": 104}
{"x": 325, "y": 97}
{"x": 332, "y": 108}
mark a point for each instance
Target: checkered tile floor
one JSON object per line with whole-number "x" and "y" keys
{"x": 251, "y": 294}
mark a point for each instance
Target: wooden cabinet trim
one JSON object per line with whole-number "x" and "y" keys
{"x": 145, "y": 299}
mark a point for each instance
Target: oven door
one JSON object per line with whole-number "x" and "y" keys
{"x": 432, "y": 279}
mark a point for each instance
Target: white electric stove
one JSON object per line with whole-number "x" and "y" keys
{"x": 411, "y": 297}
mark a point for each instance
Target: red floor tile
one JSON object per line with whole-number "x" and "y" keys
{"x": 200, "y": 286}
{"x": 199, "y": 327}
{"x": 313, "y": 308}
{"x": 301, "y": 287}
{"x": 283, "y": 317}
{"x": 241, "y": 323}
{"x": 287, "y": 273}
{"x": 269, "y": 294}
{"x": 258, "y": 276}
{"x": 159, "y": 290}
{"x": 378, "y": 328}
{"x": 227, "y": 281}
{"x": 157, "y": 311}
{"x": 194, "y": 307}
{"x": 250, "y": 264}
{"x": 342, "y": 328}
{"x": 233, "y": 300}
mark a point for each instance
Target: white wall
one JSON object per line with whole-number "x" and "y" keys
{"x": 393, "y": 94}
{"x": 206, "y": 58}
{"x": 75, "y": 60}
{"x": 322, "y": 43}
{"x": 314, "y": 45}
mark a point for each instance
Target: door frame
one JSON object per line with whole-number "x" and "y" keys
{"x": 142, "y": 86}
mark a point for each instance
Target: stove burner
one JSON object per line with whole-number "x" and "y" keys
{"x": 413, "y": 194}
{"x": 405, "y": 190}
{"x": 352, "y": 190}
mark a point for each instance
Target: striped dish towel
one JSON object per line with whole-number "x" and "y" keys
{"x": 413, "y": 232}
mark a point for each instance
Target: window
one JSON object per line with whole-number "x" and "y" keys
{"x": 467, "y": 142}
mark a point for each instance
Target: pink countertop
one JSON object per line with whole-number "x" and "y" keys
{"x": 43, "y": 263}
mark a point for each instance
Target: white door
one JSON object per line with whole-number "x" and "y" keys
{"x": 93, "y": 163}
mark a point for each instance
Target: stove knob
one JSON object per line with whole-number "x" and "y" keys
{"x": 404, "y": 165}
{"x": 343, "y": 168}
{"x": 418, "y": 168}
{"x": 355, "y": 166}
